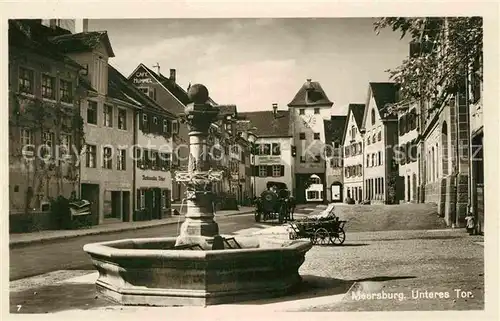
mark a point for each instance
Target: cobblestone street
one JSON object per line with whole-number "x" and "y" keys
{"x": 380, "y": 263}
{"x": 402, "y": 262}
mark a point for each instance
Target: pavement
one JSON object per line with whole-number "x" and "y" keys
{"x": 21, "y": 239}
{"x": 372, "y": 271}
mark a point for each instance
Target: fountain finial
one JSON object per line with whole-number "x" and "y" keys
{"x": 198, "y": 94}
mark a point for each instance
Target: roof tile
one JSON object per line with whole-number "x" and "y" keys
{"x": 267, "y": 124}
{"x": 310, "y": 94}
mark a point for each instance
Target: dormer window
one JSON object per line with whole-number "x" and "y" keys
{"x": 302, "y": 111}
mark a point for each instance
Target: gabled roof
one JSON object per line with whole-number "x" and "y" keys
{"x": 267, "y": 124}
{"x": 357, "y": 110}
{"x": 383, "y": 93}
{"x": 310, "y": 94}
{"x": 120, "y": 88}
{"x": 83, "y": 42}
{"x": 334, "y": 129}
{"x": 170, "y": 85}
{"x": 32, "y": 36}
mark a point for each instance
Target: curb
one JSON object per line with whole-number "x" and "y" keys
{"x": 21, "y": 243}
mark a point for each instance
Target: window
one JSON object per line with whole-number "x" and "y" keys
{"x": 27, "y": 137}
{"x": 122, "y": 119}
{"x": 155, "y": 120}
{"x": 66, "y": 91}
{"x": 163, "y": 199}
{"x": 379, "y": 136}
{"x": 152, "y": 94}
{"x": 154, "y": 161}
{"x": 107, "y": 160}
{"x": 316, "y": 110}
{"x": 380, "y": 158}
{"x": 48, "y": 87}
{"x": 373, "y": 116}
{"x": 145, "y": 90}
{"x": 347, "y": 151}
{"x": 302, "y": 136}
{"x": 316, "y": 136}
{"x": 367, "y": 160}
{"x": 302, "y": 111}
{"x": 165, "y": 161}
{"x": 108, "y": 115}
{"x": 142, "y": 198}
{"x": 276, "y": 170}
{"x": 373, "y": 160}
{"x": 92, "y": 112}
{"x": 354, "y": 149}
{"x": 317, "y": 158}
{"x": 65, "y": 144}
{"x": 166, "y": 126}
{"x": 91, "y": 156}
{"x": 121, "y": 159}
{"x": 175, "y": 127}
{"x": 262, "y": 171}
{"x": 368, "y": 140}
{"x": 144, "y": 122}
{"x": 26, "y": 79}
{"x": 276, "y": 149}
{"x": 264, "y": 149}
{"x": 360, "y": 148}
{"x": 353, "y": 133}
{"x": 47, "y": 141}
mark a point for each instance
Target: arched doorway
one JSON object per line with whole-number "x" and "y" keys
{"x": 444, "y": 151}
{"x": 336, "y": 192}
{"x": 314, "y": 193}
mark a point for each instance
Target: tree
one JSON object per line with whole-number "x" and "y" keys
{"x": 445, "y": 50}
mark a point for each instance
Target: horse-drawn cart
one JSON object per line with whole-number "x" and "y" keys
{"x": 325, "y": 228}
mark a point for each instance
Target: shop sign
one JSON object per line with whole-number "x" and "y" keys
{"x": 153, "y": 178}
{"x": 142, "y": 77}
{"x": 269, "y": 160}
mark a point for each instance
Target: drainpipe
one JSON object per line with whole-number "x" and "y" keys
{"x": 472, "y": 201}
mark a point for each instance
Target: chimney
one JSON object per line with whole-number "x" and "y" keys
{"x": 172, "y": 75}
{"x": 275, "y": 108}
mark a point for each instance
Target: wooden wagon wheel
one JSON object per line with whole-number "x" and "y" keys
{"x": 338, "y": 237}
{"x": 322, "y": 236}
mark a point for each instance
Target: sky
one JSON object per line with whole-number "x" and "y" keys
{"x": 254, "y": 63}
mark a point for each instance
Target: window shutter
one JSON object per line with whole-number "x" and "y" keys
{"x": 140, "y": 120}
{"x": 269, "y": 170}
{"x": 282, "y": 171}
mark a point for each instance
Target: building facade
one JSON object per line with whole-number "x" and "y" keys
{"x": 44, "y": 102}
{"x": 381, "y": 174}
{"x": 272, "y": 155}
{"x": 408, "y": 152}
{"x": 334, "y": 130}
{"x": 171, "y": 97}
{"x": 308, "y": 110}
{"x": 353, "y": 145}
{"x": 153, "y": 167}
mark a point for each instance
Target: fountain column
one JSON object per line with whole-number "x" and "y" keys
{"x": 199, "y": 226}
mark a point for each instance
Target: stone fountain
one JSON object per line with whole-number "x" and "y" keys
{"x": 199, "y": 267}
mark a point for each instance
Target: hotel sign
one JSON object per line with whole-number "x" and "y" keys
{"x": 269, "y": 160}
{"x": 142, "y": 77}
{"x": 153, "y": 178}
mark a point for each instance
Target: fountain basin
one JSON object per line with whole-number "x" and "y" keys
{"x": 149, "y": 272}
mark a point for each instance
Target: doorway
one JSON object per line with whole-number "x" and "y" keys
{"x": 90, "y": 192}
